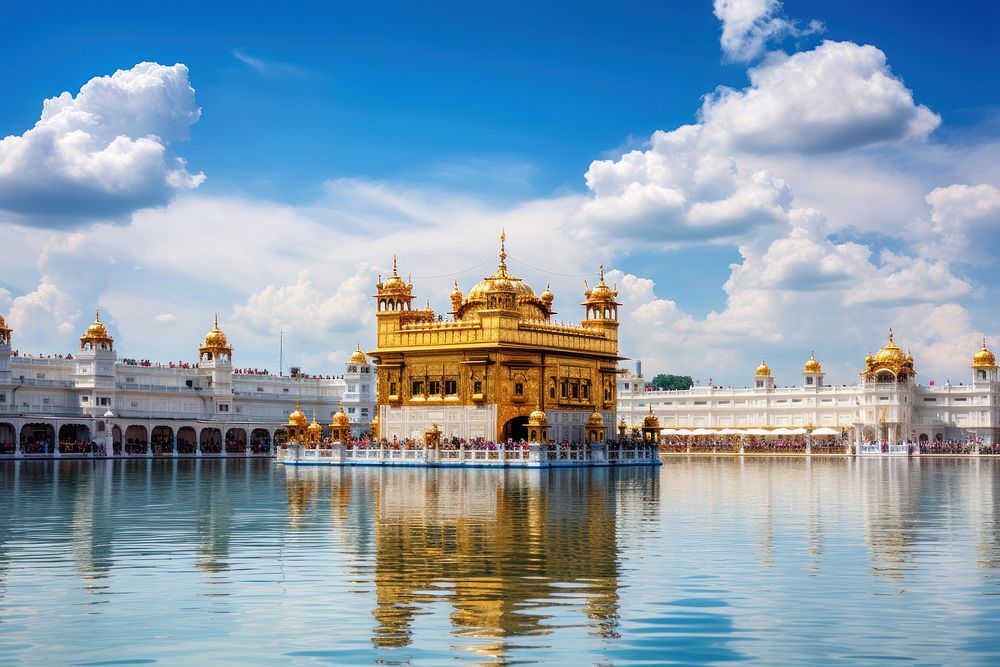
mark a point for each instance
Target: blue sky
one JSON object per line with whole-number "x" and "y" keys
{"x": 351, "y": 132}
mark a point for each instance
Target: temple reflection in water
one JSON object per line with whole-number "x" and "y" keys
{"x": 499, "y": 547}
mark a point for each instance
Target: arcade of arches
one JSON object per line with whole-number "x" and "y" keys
{"x": 106, "y": 438}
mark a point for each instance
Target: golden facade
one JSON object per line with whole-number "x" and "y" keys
{"x": 497, "y": 357}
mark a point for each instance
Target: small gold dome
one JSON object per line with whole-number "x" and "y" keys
{"x": 456, "y": 293}
{"x": 216, "y": 337}
{"x": 547, "y": 297}
{"x": 315, "y": 426}
{"x": 651, "y": 420}
{"x": 537, "y": 418}
{"x": 358, "y": 357}
{"x": 763, "y": 370}
{"x": 601, "y": 293}
{"x": 812, "y": 365}
{"x": 3, "y": 323}
{"x": 984, "y": 358}
{"x": 297, "y": 418}
{"x": 96, "y": 332}
{"x": 341, "y": 420}
{"x": 595, "y": 419}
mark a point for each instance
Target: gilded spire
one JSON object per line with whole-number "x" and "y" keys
{"x": 502, "y": 267}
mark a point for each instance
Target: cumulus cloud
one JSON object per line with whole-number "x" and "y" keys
{"x": 103, "y": 153}
{"x": 676, "y": 192}
{"x": 964, "y": 223}
{"x": 835, "y": 97}
{"x": 748, "y": 26}
{"x": 165, "y": 318}
{"x": 302, "y": 308}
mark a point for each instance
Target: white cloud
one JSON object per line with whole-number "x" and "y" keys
{"x": 676, "y": 192}
{"x": 165, "y": 318}
{"x": 304, "y": 310}
{"x": 748, "y": 26}
{"x": 101, "y": 154}
{"x": 835, "y": 97}
{"x": 964, "y": 223}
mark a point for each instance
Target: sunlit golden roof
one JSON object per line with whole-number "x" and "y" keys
{"x": 601, "y": 293}
{"x": 96, "y": 332}
{"x": 763, "y": 370}
{"x": 341, "y": 420}
{"x": 358, "y": 357}
{"x": 501, "y": 280}
{"x": 812, "y": 365}
{"x": 215, "y": 340}
{"x": 3, "y": 325}
{"x": 537, "y": 418}
{"x": 297, "y": 418}
{"x": 651, "y": 420}
{"x": 889, "y": 358}
{"x": 595, "y": 419}
{"x": 983, "y": 358}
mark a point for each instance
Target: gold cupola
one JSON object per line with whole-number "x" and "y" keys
{"x": 812, "y": 365}
{"x": 394, "y": 294}
{"x": 358, "y": 357}
{"x": 547, "y": 297}
{"x": 763, "y": 371}
{"x": 96, "y": 337}
{"x": 983, "y": 358}
{"x": 889, "y": 362}
{"x": 216, "y": 346}
{"x": 500, "y": 291}
{"x": 297, "y": 418}
{"x": 601, "y": 302}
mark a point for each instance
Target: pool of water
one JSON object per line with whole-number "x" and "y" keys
{"x": 705, "y": 561}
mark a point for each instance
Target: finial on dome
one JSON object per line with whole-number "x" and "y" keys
{"x": 503, "y": 250}
{"x": 602, "y": 273}
{"x": 890, "y": 334}
{"x": 97, "y": 314}
{"x": 216, "y": 320}
{"x": 393, "y": 263}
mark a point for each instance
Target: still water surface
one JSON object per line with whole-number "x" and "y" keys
{"x": 780, "y": 561}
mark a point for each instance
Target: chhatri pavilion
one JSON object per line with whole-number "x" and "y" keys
{"x": 497, "y": 360}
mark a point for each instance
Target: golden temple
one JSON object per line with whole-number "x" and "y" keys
{"x": 496, "y": 358}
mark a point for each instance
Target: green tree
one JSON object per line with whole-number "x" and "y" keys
{"x": 664, "y": 381}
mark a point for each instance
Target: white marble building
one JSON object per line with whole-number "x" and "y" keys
{"x": 887, "y": 404}
{"x": 201, "y": 408}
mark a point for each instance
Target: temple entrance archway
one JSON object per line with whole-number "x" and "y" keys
{"x": 187, "y": 440}
{"x": 923, "y": 438}
{"x": 516, "y": 429}
{"x": 136, "y": 439}
{"x": 74, "y": 439}
{"x": 260, "y": 441}
{"x": 162, "y": 441}
{"x": 236, "y": 441}
{"x": 38, "y": 438}
{"x": 8, "y": 438}
{"x": 211, "y": 441}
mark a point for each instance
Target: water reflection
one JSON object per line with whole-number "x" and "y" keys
{"x": 700, "y": 562}
{"x": 507, "y": 551}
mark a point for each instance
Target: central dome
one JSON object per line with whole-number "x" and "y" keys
{"x": 890, "y": 353}
{"x": 501, "y": 280}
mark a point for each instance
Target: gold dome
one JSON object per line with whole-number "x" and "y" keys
{"x": 501, "y": 280}
{"x": 3, "y": 323}
{"x": 547, "y": 297}
{"x": 984, "y": 358}
{"x": 215, "y": 341}
{"x": 96, "y": 332}
{"x": 358, "y": 357}
{"x": 297, "y": 418}
{"x": 889, "y": 358}
{"x": 394, "y": 285}
{"x": 315, "y": 426}
{"x": 763, "y": 370}
{"x": 601, "y": 293}
{"x": 456, "y": 293}
{"x": 537, "y": 418}
{"x": 650, "y": 420}
{"x": 812, "y": 365}
{"x": 595, "y": 419}
{"x": 890, "y": 353}
{"x": 341, "y": 420}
